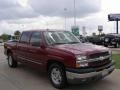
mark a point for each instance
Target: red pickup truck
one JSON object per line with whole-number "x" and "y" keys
{"x": 61, "y": 55}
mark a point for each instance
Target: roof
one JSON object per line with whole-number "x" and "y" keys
{"x": 114, "y": 34}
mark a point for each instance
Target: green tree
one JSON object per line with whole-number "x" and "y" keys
{"x": 103, "y": 34}
{"x": 17, "y": 33}
{"x": 93, "y": 34}
{"x": 5, "y": 37}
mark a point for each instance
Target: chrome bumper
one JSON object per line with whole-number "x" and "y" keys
{"x": 103, "y": 73}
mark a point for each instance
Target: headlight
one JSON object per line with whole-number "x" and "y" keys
{"x": 79, "y": 57}
{"x": 81, "y": 61}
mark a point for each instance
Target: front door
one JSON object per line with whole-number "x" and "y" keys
{"x": 36, "y": 54}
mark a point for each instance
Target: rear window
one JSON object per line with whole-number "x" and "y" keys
{"x": 25, "y": 37}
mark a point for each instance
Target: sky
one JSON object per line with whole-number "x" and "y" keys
{"x": 50, "y": 14}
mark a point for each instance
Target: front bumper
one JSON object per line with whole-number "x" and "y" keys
{"x": 83, "y": 74}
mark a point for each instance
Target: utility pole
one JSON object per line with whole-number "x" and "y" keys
{"x": 65, "y": 9}
{"x": 84, "y": 31}
{"x": 74, "y": 12}
{"x": 117, "y": 26}
{"x": 75, "y": 28}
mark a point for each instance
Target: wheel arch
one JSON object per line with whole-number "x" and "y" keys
{"x": 9, "y": 51}
{"x": 52, "y": 61}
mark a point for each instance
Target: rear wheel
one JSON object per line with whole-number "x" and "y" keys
{"x": 116, "y": 45}
{"x": 11, "y": 62}
{"x": 105, "y": 45}
{"x": 57, "y": 76}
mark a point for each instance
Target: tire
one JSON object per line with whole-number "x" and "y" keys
{"x": 57, "y": 76}
{"x": 105, "y": 45}
{"x": 116, "y": 45}
{"x": 11, "y": 62}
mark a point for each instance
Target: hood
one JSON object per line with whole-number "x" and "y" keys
{"x": 82, "y": 48}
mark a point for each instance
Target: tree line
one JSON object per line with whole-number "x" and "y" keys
{"x": 6, "y": 37}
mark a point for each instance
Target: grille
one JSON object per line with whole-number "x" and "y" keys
{"x": 99, "y": 63}
{"x": 97, "y": 55}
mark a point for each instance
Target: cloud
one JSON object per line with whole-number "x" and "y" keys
{"x": 5, "y": 28}
{"x": 8, "y": 4}
{"x": 12, "y": 9}
{"x": 56, "y": 7}
{"x": 42, "y": 13}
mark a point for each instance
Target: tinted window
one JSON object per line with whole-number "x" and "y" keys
{"x": 35, "y": 39}
{"x": 24, "y": 37}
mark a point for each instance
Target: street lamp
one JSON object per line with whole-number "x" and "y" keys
{"x": 65, "y": 9}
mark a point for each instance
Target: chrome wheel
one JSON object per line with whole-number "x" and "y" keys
{"x": 117, "y": 45}
{"x": 56, "y": 76}
{"x": 10, "y": 61}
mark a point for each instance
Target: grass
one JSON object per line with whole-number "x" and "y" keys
{"x": 116, "y": 57}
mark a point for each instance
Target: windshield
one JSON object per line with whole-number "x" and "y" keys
{"x": 60, "y": 37}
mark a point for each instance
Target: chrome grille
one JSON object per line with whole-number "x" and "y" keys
{"x": 99, "y": 63}
{"x": 99, "y": 59}
{"x": 97, "y": 55}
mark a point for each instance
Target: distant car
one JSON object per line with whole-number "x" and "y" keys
{"x": 112, "y": 40}
{"x": 98, "y": 40}
{"x": 82, "y": 39}
{"x": 1, "y": 41}
{"x": 14, "y": 40}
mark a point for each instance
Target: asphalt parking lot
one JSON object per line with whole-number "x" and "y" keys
{"x": 25, "y": 78}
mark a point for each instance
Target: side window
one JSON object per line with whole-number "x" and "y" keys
{"x": 35, "y": 39}
{"x": 25, "y": 37}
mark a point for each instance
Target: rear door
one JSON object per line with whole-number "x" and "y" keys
{"x": 22, "y": 47}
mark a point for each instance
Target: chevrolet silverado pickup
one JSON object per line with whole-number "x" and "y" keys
{"x": 61, "y": 55}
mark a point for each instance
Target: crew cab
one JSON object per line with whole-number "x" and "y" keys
{"x": 61, "y": 55}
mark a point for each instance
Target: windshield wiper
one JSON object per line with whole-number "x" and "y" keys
{"x": 73, "y": 42}
{"x": 58, "y": 43}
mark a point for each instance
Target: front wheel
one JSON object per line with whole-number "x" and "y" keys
{"x": 11, "y": 62}
{"x": 57, "y": 76}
